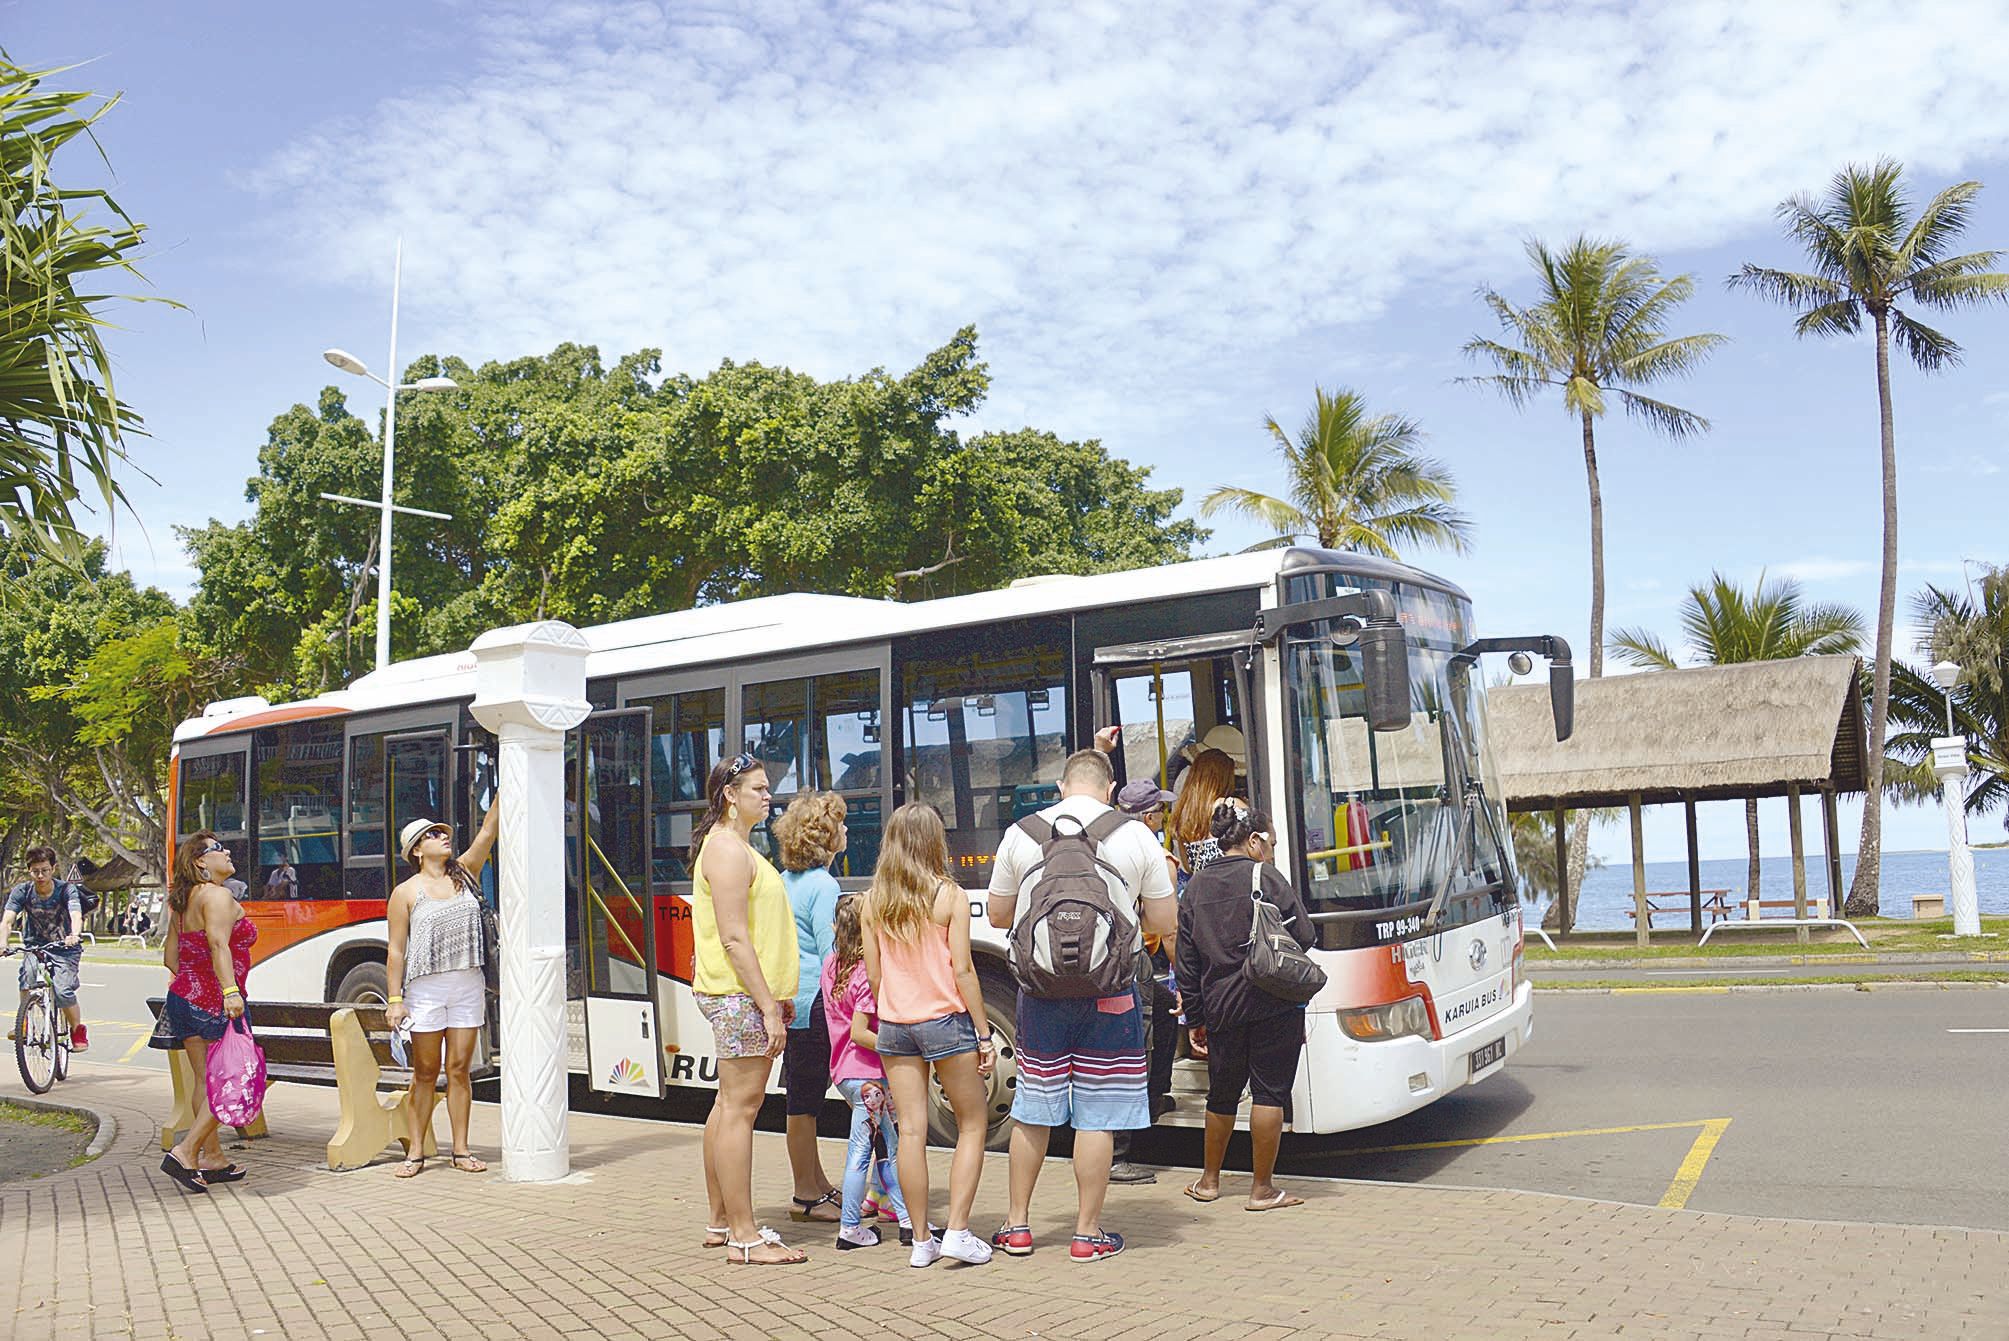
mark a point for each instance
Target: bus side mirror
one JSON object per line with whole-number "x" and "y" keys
{"x": 1383, "y": 649}
{"x": 1563, "y": 699}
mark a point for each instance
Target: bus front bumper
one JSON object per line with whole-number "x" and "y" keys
{"x": 1352, "y": 1084}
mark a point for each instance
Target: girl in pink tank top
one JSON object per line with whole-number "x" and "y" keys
{"x": 931, "y": 1016}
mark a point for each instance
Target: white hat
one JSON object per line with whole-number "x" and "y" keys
{"x": 409, "y": 836}
{"x": 1228, "y": 740}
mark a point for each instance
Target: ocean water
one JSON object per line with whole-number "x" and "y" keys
{"x": 1607, "y": 891}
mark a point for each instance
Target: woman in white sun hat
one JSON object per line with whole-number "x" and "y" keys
{"x": 433, "y": 966}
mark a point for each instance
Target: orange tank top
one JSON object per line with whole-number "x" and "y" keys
{"x": 917, "y": 979}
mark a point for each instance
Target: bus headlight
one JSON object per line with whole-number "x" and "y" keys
{"x": 1397, "y": 1019}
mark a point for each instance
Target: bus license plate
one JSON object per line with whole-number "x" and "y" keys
{"x": 1489, "y": 1054}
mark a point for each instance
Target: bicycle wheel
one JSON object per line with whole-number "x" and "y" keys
{"x": 35, "y": 1042}
{"x": 61, "y": 1049}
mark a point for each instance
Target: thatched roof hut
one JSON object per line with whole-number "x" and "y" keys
{"x": 1713, "y": 733}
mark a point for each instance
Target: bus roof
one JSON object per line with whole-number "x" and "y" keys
{"x": 803, "y": 621}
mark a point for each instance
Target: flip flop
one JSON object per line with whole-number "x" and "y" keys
{"x": 1193, "y": 1191}
{"x": 1278, "y": 1202}
{"x": 229, "y": 1173}
{"x": 806, "y": 1208}
{"x": 181, "y": 1173}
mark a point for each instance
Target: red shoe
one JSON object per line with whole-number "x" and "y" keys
{"x": 1095, "y": 1247}
{"x": 80, "y": 1039}
{"x": 1013, "y": 1239}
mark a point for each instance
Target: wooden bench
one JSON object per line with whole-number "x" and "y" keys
{"x": 1675, "y": 903}
{"x": 321, "y": 1042}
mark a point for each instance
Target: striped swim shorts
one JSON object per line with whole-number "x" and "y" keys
{"x": 1081, "y": 1063}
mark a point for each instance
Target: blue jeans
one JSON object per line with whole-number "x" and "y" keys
{"x": 861, "y": 1159}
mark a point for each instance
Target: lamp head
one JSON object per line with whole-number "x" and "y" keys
{"x": 435, "y": 384}
{"x": 1947, "y": 673}
{"x": 346, "y": 361}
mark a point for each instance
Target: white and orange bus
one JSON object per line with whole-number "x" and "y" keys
{"x": 1349, "y": 679}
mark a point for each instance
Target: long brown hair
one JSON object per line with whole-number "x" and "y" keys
{"x": 850, "y": 949}
{"x": 913, "y": 863}
{"x": 1208, "y": 778}
{"x": 185, "y": 879}
{"x": 723, "y": 775}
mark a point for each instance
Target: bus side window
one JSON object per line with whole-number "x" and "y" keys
{"x": 299, "y": 778}
{"x": 212, "y": 798}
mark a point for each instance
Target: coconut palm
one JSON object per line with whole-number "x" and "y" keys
{"x": 1869, "y": 255}
{"x": 1973, "y": 632}
{"x": 61, "y": 425}
{"x": 1355, "y": 482}
{"x": 1725, "y": 625}
{"x": 1598, "y": 330}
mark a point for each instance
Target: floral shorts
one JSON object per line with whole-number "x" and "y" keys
{"x": 735, "y": 1023}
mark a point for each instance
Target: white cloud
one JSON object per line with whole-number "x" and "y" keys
{"x": 1119, "y": 197}
{"x": 1823, "y": 569}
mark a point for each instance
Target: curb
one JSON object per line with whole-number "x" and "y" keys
{"x": 1858, "y": 985}
{"x": 108, "y": 1126}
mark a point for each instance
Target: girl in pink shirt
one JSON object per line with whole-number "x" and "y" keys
{"x": 856, "y": 1071}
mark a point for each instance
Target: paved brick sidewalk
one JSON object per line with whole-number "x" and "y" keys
{"x": 296, "y": 1252}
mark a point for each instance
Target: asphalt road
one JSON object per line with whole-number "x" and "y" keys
{"x": 1842, "y": 1103}
{"x": 1658, "y": 972}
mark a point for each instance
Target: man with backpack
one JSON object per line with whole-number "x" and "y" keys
{"x": 1077, "y": 885}
{"x": 52, "y": 913}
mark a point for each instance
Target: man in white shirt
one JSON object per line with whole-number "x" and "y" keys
{"x": 1081, "y": 1061}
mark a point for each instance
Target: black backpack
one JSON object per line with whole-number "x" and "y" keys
{"x": 1074, "y": 940}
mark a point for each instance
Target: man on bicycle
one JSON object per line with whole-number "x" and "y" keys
{"x": 52, "y": 914}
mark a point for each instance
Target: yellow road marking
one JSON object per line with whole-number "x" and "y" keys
{"x": 138, "y": 1043}
{"x": 1537, "y": 1136}
{"x": 1690, "y": 1172}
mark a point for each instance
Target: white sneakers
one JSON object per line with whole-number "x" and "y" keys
{"x": 960, "y": 1244}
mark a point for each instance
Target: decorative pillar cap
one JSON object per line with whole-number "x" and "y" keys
{"x": 1949, "y": 756}
{"x": 531, "y": 675}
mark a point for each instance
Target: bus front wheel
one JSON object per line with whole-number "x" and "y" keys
{"x": 1001, "y": 1004}
{"x": 366, "y": 984}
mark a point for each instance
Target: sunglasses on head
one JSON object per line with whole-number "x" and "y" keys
{"x": 740, "y": 764}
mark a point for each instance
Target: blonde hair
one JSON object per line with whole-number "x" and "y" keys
{"x": 1208, "y": 778}
{"x": 913, "y": 864}
{"x": 807, "y": 831}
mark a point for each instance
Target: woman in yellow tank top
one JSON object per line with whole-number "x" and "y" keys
{"x": 744, "y": 981}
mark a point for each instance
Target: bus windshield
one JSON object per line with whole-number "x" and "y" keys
{"x": 1393, "y": 821}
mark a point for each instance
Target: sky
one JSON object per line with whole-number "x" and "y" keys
{"x": 1167, "y": 222}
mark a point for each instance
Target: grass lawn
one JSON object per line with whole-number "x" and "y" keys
{"x": 1885, "y": 935}
{"x": 1702, "y": 979}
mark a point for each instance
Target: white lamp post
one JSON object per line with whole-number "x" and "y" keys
{"x": 1949, "y": 765}
{"x": 349, "y": 363}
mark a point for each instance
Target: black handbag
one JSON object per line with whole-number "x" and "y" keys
{"x": 1276, "y": 963}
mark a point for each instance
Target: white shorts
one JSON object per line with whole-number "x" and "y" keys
{"x": 450, "y": 1000}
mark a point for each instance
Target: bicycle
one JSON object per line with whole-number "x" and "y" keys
{"x": 41, "y": 1028}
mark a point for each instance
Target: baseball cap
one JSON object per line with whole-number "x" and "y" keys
{"x": 1142, "y": 797}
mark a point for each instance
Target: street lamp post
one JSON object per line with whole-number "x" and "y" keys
{"x": 1949, "y": 765}
{"x": 349, "y": 363}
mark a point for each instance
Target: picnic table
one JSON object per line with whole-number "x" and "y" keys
{"x": 1675, "y": 903}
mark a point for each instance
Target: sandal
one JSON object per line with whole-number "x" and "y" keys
{"x": 466, "y": 1162}
{"x": 805, "y": 1208}
{"x": 1204, "y": 1198}
{"x": 763, "y": 1240}
{"x": 229, "y": 1173}
{"x": 181, "y": 1173}
{"x": 723, "y": 1233}
{"x": 1277, "y": 1202}
{"x": 411, "y": 1168}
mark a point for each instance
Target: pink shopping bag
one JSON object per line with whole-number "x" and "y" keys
{"x": 236, "y": 1079}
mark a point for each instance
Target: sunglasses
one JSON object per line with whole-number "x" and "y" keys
{"x": 211, "y": 850}
{"x": 740, "y": 764}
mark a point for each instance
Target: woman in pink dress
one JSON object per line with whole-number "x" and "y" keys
{"x": 208, "y": 949}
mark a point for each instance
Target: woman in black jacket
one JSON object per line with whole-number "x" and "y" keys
{"x": 1253, "y": 1039}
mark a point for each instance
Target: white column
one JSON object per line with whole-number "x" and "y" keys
{"x": 530, "y": 689}
{"x": 1949, "y": 765}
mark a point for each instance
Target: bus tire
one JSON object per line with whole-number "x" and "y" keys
{"x": 1001, "y": 1005}
{"x": 367, "y": 984}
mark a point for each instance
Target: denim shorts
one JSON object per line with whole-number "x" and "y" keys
{"x": 933, "y": 1040}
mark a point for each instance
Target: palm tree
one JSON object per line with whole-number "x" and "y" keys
{"x": 1598, "y": 329}
{"x": 1356, "y": 482}
{"x": 1869, "y": 254}
{"x": 1974, "y": 633}
{"x": 61, "y": 426}
{"x": 1726, "y": 625}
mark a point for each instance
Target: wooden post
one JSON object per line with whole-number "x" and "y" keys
{"x": 1831, "y": 827}
{"x": 1642, "y": 919}
{"x": 1567, "y": 917}
{"x": 1694, "y": 873}
{"x": 1795, "y": 826}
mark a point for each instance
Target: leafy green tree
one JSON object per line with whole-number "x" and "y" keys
{"x": 1355, "y": 481}
{"x": 62, "y": 424}
{"x": 1972, "y": 631}
{"x": 1871, "y": 256}
{"x": 1726, "y": 625}
{"x": 1597, "y": 330}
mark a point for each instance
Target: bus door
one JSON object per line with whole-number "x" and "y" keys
{"x": 1175, "y": 697}
{"x": 417, "y": 784}
{"x": 617, "y": 933}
